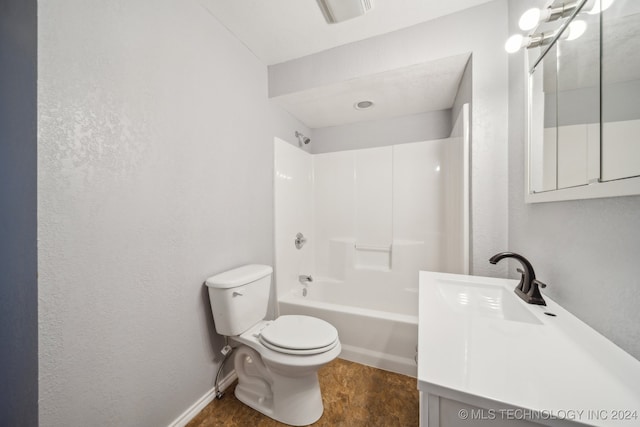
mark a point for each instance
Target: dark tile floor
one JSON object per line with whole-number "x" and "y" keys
{"x": 353, "y": 395}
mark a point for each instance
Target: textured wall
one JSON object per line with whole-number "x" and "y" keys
{"x": 480, "y": 30}
{"x": 18, "y": 245}
{"x": 586, "y": 250}
{"x": 155, "y": 171}
{"x": 378, "y": 133}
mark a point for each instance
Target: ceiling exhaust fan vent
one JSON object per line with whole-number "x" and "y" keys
{"x": 341, "y": 10}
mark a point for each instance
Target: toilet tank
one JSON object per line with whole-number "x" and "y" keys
{"x": 239, "y": 298}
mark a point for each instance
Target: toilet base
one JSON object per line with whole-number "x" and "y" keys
{"x": 291, "y": 400}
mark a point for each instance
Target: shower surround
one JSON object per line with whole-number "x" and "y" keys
{"x": 372, "y": 219}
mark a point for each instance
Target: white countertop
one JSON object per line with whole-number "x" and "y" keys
{"x": 548, "y": 364}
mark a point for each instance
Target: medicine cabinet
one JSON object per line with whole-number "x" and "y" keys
{"x": 583, "y": 121}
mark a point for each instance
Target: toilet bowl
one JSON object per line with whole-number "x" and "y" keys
{"x": 276, "y": 361}
{"x": 279, "y": 381}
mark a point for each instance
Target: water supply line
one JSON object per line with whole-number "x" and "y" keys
{"x": 227, "y": 351}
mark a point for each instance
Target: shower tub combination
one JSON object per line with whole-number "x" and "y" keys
{"x": 378, "y": 323}
{"x": 364, "y": 223}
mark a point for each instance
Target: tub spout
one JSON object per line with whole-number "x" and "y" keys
{"x": 305, "y": 279}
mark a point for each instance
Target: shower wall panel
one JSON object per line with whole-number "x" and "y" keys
{"x": 293, "y": 190}
{"x": 392, "y": 210}
{"x": 419, "y": 208}
{"x": 383, "y": 209}
{"x": 334, "y": 204}
{"x": 374, "y": 206}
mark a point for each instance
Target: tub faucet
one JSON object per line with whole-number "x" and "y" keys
{"x": 528, "y": 288}
{"x": 305, "y": 279}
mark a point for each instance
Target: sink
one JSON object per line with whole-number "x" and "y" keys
{"x": 475, "y": 299}
{"x": 481, "y": 346}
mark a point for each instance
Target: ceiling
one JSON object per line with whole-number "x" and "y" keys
{"x": 280, "y": 30}
{"x": 420, "y": 88}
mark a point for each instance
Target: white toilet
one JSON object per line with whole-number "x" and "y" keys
{"x": 277, "y": 361}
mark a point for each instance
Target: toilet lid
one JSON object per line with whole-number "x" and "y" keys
{"x": 299, "y": 335}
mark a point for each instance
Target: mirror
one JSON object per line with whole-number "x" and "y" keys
{"x": 621, "y": 90}
{"x": 584, "y": 108}
{"x": 578, "y": 106}
{"x": 543, "y": 96}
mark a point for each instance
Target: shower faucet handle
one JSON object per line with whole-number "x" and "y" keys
{"x": 300, "y": 241}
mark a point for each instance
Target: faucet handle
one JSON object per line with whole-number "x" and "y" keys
{"x": 540, "y": 284}
{"x": 522, "y": 284}
{"x": 300, "y": 241}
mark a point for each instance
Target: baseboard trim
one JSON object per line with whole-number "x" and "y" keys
{"x": 199, "y": 405}
{"x": 387, "y": 362}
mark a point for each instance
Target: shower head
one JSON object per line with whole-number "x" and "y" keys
{"x": 302, "y": 139}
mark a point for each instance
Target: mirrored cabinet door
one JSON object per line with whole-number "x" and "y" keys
{"x": 578, "y": 105}
{"x": 543, "y": 131}
{"x": 621, "y": 90}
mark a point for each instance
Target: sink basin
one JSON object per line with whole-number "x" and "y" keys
{"x": 481, "y": 346}
{"x": 490, "y": 301}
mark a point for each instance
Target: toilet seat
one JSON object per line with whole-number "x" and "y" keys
{"x": 294, "y": 352}
{"x": 299, "y": 335}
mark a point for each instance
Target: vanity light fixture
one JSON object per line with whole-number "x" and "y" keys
{"x": 533, "y": 17}
{"x": 518, "y": 41}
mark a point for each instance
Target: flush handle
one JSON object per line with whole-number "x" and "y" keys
{"x": 236, "y": 294}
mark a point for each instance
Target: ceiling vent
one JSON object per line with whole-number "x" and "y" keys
{"x": 341, "y": 10}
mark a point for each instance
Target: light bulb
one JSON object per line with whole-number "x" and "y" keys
{"x": 530, "y": 19}
{"x": 514, "y": 43}
{"x": 598, "y": 6}
{"x": 576, "y": 29}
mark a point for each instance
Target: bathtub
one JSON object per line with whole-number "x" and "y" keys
{"x": 377, "y": 323}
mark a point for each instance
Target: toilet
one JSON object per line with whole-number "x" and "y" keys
{"x": 277, "y": 361}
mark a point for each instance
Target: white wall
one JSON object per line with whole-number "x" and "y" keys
{"x": 480, "y": 30}
{"x": 155, "y": 171}
{"x": 585, "y": 250}
{"x": 378, "y": 133}
{"x": 18, "y": 244}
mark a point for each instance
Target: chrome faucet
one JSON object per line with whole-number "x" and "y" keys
{"x": 305, "y": 279}
{"x": 528, "y": 288}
